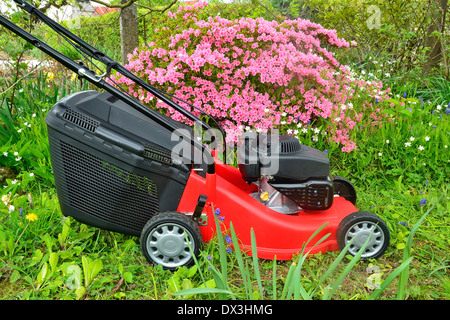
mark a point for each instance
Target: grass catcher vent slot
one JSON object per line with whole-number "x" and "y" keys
{"x": 80, "y": 120}
{"x": 106, "y": 191}
{"x": 158, "y": 154}
{"x": 289, "y": 144}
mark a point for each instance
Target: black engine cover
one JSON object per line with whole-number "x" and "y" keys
{"x": 296, "y": 162}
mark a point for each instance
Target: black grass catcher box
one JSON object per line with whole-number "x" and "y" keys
{"x": 108, "y": 170}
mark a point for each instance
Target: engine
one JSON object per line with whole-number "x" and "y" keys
{"x": 290, "y": 177}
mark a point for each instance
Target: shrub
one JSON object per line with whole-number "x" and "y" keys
{"x": 256, "y": 74}
{"x": 396, "y": 30}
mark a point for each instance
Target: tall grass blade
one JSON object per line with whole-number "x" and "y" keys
{"x": 333, "y": 266}
{"x": 274, "y": 278}
{"x": 403, "y": 280}
{"x": 222, "y": 253}
{"x": 292, "y": 284}
{"x": 288, "y": 282}
{"x": 195, "y": 261}
{"x": 297, "y": 287}
{"x": 389, "y": 279}
{"x": 238, "y": 254}
{"x": 255, "y": 263}
{"x": 328, "y": 294}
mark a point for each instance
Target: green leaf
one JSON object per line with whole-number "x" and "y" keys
{"x": 42, "y": 274}
{"x": 14, "y": 276}
{"x": 37, "y": 257}
{"x": 187, "y": 284}
{"x": 208, "y": 284}
{"x": 74, "y": 279}
{"x": 192, "y": 271}
{"x": 90, "y": 269}
{"x": 80, "y": 292}
{"x": 128, "y": 276}
{"x": 174, "y": 284}
{"x": 53, "y": 261}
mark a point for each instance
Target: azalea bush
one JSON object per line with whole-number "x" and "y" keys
{"x": 256, "y": 74}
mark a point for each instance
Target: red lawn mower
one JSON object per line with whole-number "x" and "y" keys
{"x": 115, "y": 168}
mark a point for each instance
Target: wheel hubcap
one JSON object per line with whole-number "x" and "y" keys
{"x": 362, "y": 231}
{"x": 167, "y": 245}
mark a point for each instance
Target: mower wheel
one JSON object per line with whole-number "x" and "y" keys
{"x": 344, "y": 188}
{"x": 359, "y": 226}
{"x": 168, "y": 238}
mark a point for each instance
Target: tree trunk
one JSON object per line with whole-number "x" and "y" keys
{"x": 435, "y": 53}
{"x": 129, "y": 31}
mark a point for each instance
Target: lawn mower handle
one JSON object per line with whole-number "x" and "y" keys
{"x": 105, "y": 59}
{"x": 99, "y": 82}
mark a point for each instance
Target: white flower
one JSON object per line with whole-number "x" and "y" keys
{"x": 31, "y": 174}
{"x": 5, "y": 199}
{"x": 439, "y": 107}
{"x": 411, "y": 139}
{"x": 11, "y": 208}
{"x": 283, "y": 114}
{"x": 421, "y": 148}
{"x": 43, "y": 110}
{"x": 337, "y": 119}
{"x": 296, "y": 132}
{"x": 5, "y": 154}
{"x": 19, "y": 131}
{"x": 16, "y": 153}
{"x": 387, "y": 141}
{"x": 316, "y": 130}
{"x": 282, "y": 122}
{"x": 305, "y": 130}
{"x": 34, "y": 115}
{"x": 407, "y": 144}
{"x": 266, "y": 110}
{"x": 18, "y": 158}
{"x": 427, "y": 138}
{"x": 380, "y": 154}
{"x": 14, "y": 181}
{"x": 289, "y": 131}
